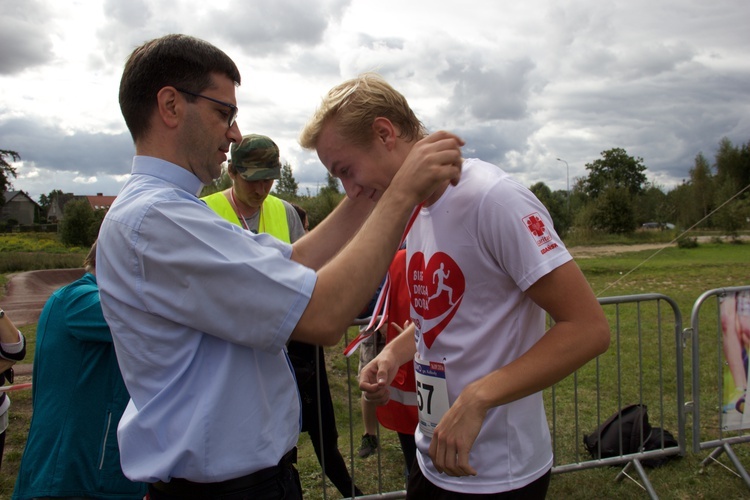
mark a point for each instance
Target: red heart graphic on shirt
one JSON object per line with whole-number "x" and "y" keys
{"x": 436, "y": 291}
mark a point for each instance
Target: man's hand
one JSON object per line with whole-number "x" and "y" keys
{"x": 454, "y": 436}
{"x": 431, "y": 162}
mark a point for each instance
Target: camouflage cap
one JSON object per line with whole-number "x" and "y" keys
{"x": 255, "y": 158}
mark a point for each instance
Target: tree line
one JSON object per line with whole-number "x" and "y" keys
{"x": 614, "y": 197}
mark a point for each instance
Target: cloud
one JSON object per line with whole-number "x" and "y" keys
{"x": 51, "y": 158}
{"x": 25, "y": 36}
{"x": 523, "y": 85}
{"x": 482, "y": 92}
{"x": 264, "y": 29}
{"x": 131, "y": 14}
{"x": 54, "y": 149}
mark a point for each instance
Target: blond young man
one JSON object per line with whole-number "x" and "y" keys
{"x": 484, "y": 264}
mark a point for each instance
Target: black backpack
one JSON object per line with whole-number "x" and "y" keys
{"x": 631, "y": 422}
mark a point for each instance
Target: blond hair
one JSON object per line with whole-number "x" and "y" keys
{"x": 89, "y": 263}
{"x": 355, "y": 104}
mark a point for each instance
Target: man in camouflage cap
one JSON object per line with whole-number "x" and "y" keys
{"x": 253, "y": 167}
{"x": 256, "y": 158}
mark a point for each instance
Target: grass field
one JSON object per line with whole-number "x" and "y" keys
{"x": 681, "y": 274}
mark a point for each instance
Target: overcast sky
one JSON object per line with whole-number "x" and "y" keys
{"x": 524, "y": 83}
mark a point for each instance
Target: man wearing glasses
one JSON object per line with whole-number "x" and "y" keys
{"x": 200, "y": 309}
{"x": 230, "y": 112}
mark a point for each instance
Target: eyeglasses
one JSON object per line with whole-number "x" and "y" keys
{"x": 232, "y": 114}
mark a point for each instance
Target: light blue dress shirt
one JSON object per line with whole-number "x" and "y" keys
{"x": 200, "y": 311}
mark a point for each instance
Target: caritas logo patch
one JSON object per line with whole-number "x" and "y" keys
{"x": 436, "y": 289}
{"x": 535, "y": 224}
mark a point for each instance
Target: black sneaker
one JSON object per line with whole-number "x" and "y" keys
{"x": 369, "y": 446}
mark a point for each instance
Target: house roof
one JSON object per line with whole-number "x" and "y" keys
{"x": 100, "y": 201}
{"x": 10, "y": 195}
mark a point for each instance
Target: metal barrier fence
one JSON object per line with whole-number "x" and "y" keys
{"x": 352, "y": 366}
{"x": 644, "y": 365}
{"x": 720, "y": 418}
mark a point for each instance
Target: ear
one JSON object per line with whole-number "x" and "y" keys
{"x": 385, "y": 132}
{"x": 170, "y": 106}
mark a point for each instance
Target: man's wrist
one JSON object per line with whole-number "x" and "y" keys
{"x": 2, "y": 314}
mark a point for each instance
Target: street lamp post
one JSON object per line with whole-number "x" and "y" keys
{"x": 567, "y": 175}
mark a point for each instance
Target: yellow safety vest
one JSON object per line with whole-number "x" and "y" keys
{"x": 272, "y": 214}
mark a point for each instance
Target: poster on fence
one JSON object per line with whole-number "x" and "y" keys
{"x": 734, "y": 310}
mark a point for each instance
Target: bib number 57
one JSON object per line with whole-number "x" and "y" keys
{"x": 422, "y": 391}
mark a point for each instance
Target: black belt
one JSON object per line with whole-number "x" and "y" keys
{"x": 189, "y": 489}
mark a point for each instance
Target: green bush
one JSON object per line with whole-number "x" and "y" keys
{"x": 687, "y": 242}
{"x": 81, "y": 224}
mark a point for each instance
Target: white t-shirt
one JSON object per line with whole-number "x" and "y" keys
{"x": 470, "y": 257}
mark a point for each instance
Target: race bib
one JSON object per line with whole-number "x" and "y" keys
{"x": 432, "y": 393}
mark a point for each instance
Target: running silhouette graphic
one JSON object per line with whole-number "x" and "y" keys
{"x": 440, "y": 275}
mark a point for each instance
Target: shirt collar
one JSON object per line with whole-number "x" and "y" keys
{"x": 170, "y": 172}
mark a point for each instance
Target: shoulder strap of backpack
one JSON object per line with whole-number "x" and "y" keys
{"x": 641, "y": 429}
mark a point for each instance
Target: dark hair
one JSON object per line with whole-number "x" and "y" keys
{"x": 301, "y": 212}
{"x": 181, "y": 61}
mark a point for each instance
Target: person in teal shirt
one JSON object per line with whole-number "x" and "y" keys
{"x": 78, "y": 398}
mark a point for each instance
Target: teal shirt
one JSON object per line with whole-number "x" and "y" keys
{"x": 78, "y": 399}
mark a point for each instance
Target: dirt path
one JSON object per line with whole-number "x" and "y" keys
{"x": 26, "y": 293}
{"x": 25, "y": 296}
{"x": 583, "y": 252}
